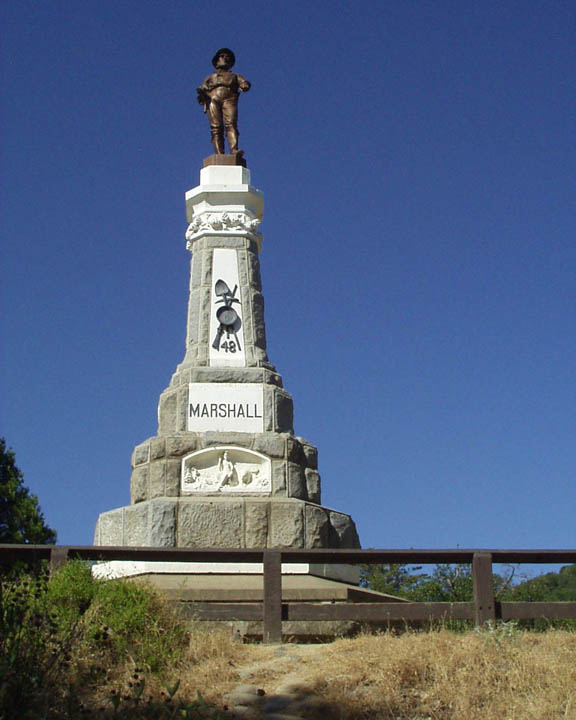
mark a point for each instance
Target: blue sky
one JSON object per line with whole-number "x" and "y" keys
{"x": 417, "y": 160}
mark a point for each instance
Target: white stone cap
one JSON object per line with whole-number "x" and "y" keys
{"x": 224, "y": 188}
{"x": 224, "y": 175}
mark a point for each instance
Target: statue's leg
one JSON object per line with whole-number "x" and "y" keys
{"x": 216, "y": 127}
{"x": 230, "y": 113}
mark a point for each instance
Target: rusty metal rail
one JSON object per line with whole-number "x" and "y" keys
{"x": 272, "y": 611}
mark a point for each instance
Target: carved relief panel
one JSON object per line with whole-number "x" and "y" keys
{"x": 226, "y": 470}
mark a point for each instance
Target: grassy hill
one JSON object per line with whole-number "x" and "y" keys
{"x": 73, "y": 647}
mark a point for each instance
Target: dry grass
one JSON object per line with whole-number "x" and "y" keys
{"x": 209, "y": 666}
{"x": 503, "y": 674}
{"x": 422, "y": 676}
{"x": 447, "y": 676}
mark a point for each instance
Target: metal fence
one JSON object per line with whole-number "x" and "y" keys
{"x": 272, "y": 611}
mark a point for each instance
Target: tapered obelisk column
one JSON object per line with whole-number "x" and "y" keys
{"x": 225, "y": 469}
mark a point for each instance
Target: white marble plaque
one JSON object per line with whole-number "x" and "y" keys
{"x": 226, "y": 406}
{"x": 226, "y": 470}
{"x": 226, "y": 328}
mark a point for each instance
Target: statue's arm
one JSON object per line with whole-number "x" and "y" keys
{"x": 203, "y": 92}
{"x": 243, "y": 84}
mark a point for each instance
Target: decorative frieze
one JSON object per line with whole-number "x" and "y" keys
{"x": 222, "y": 222}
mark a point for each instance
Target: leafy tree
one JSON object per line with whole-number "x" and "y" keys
{"x": 21, "y": 520}
{"x": 391, "y": 578}
{"x": 446, "y": 583}
{"x": 553, "y": 586}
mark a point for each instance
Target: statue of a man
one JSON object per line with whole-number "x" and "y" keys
{"x": 219, "y": 95}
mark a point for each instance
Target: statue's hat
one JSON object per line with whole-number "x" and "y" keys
{"x": 221, "y": 52}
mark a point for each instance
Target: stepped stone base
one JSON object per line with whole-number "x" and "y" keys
{"x": 185, "y": 593}
{"x": 224, "y": 522}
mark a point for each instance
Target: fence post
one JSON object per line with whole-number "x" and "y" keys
{"x": 58, "y": 558}
{"x": 272, "y": 606}
{"x": 485, "y": 605}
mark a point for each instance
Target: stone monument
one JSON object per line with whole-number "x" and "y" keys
{"x": 225, "y": 469}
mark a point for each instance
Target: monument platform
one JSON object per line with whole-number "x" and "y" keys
{"x": 192, "y": 594}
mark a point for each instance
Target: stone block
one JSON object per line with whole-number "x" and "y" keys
{"x": 272, "y": 378}
{"x": 294, "y": 450}
{"x": 343, "y": 532}
{"x": 250, "y": 354}
{"x": 259, "y": 356}
{"x": 317, "y": 527}
{"x": 269, "y": 409}
{"x": 162, "y": 524}
{"x": 139, "y": 484}
{"x": 136, "y": 525}
{"x": 167, "y": 412}
{"x": 204, "y": 304}
{"x": 272, "y": 445}
{"x": 310, "y": 453}
{"x": 109, "y": 530}
{"x": 248, "y": 329}
{"x": 259, "y": 331}
{"x": 284, "y": 414}
{"x": 157, "y": 448}
{"x": 185, "y": 376}
{"x": 182, "y": 409}
{"x": 193, "y": 322}
{"x": 286, "y": 525}
{"x": 279, "y": 478}
{"x": 202, "y": 355}
{"x": 228, "y": 241}
{"x": 212, "y": 438}
{"x": 227, "y": 375}
{"x": 216, "y": 523}
{"x": 141, "y": 454}
{"x": 207, "y": 267}
{"x": 180, "y": 445}
{"x": 173, "y": 476}
{"x": 313, "y": 485}
{"x": 243, "y": 268}
{"x": 256, "y": 523}
{"x": 296, "y": 481}
{"x": 196, "y": 268}
{"x": 254, "y": 270}
{"x": 157, "y": 479}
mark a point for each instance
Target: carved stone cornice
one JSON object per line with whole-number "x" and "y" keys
{"x": 222, "y": 222}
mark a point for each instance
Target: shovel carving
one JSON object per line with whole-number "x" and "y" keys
{"x": 226, "y": 315}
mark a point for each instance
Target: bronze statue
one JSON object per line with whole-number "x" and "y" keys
{"x": 219, "y": 95}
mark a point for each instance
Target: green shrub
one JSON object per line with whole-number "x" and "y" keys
{"x": 70, "y": 592}
{"x": 33, "y": 653}
{"x": 136, "y": 623}
{"x": 61, "y": 636}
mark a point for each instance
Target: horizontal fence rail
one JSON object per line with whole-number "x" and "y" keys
{"x": 484, "y": 608}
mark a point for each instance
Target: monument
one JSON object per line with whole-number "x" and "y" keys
{"x": 225, "y": 469}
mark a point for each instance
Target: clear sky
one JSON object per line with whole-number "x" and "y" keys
{"x": 417, "y": 159}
